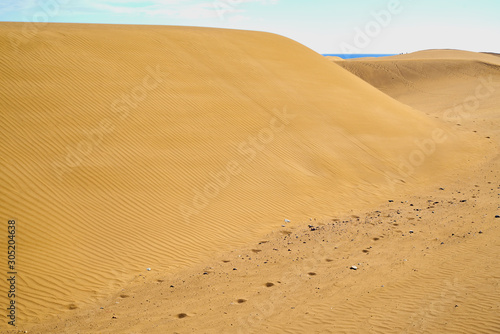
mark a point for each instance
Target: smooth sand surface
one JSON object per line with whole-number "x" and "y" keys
{"x": 184, "y": 149}
{"x": 334, "y": 58}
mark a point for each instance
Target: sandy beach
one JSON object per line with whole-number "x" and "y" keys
{"x": 171, "y": 179}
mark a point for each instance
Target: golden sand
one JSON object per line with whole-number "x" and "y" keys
{"x": 183, "y": 149}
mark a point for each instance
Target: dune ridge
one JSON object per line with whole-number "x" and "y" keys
{"x": 128, "y": 147}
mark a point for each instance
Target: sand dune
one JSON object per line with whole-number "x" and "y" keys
{"x": 438, "y": 75}
{"x": 128, "y": 147}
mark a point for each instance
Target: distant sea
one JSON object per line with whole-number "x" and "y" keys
{"x": 359, "y": 55}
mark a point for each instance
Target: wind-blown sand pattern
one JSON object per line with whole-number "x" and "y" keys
{"x": 128, "y": 147}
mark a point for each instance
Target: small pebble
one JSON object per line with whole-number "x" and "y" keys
{"x": 148, "y": 269}
{"x": 354, "y": 268}
{"x": 287, "y": 221}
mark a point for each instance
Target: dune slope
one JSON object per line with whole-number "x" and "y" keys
{"x": 128, "y": 147}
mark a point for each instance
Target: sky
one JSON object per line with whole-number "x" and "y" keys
{"x": 326, "y": 26}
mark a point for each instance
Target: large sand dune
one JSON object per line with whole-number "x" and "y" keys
{"x": 128, "y": 147}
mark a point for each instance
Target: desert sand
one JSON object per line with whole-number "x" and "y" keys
{"x": 205, "y": 154}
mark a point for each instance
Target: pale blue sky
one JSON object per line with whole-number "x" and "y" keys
{"x": 326, "y": 26}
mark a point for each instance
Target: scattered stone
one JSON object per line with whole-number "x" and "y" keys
{"x": 480, "y": 232}
{"x": 441, "y": 188}
{"x": 235, "y": 269}
{"x": 497, "y": 216}
{"x": 148, "y": 269}
{"x": 287, "y": 221}
{"x": 411, "y": 231}
{"x": 391, "y": 201}
{"x": 354, "y": 268}
{"x": 463, "y": 201}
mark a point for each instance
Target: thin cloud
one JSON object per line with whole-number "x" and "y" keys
{"x": 181, "y": 9}
{"x": 17, "y": 6}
